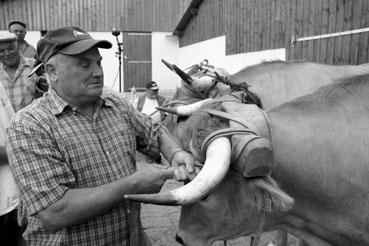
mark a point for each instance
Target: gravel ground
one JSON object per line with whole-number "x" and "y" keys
{"x": 160, "y": 223}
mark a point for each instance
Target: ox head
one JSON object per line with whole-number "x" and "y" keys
{"x": 231, "y": 193}
{"x": 201, "y": 80}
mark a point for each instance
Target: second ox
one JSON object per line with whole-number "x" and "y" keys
{"x": 301, "y": 167}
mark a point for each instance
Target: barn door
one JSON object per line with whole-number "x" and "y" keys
{"x": 137, "y": 60}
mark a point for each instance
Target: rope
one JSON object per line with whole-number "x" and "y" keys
{"x": 266, "y": 208}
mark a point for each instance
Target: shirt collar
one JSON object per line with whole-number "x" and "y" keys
{"x": 58, "y": 104}
{"x": 25, "y": 62}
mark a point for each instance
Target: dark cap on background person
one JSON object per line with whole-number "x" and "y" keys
{"x": 7, "y": 37}
{"x": 70, "y": 40}
{"x": 16, "y": 22}
{"x": 152, "y": 85}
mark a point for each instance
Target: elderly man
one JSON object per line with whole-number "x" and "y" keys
{"x": 14, "y": 71}
{"x": 73, "y": 152}
{"x": 20, "y": 29}
{"x": 9, "y": 230}
{"x": 148, "y": 102}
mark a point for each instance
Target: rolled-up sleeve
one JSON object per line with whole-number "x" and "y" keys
{"x": 41, "y": 173}
{"x": 147, "y": 132}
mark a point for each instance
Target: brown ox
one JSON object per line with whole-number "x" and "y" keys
{"x": 319, "y": 158}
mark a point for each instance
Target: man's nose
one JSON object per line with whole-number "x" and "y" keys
{"x": 8, "y": 52}
{"x": 98, "y": 71}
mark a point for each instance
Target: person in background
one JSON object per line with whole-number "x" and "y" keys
{"x": 148, "y": 102}
{"x": 20, "y": 29}
{"x": 9, "y": 230}
{"x": 14, "y": 71}
{"x": 73, "y": 152}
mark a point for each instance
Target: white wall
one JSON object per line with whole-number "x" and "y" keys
{"x": 214, "y": 51}
{"x": 110, "y": 61}
{"x": 164, "y": 46}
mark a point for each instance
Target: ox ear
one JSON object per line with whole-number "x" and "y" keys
{"x": 269, "y": 196}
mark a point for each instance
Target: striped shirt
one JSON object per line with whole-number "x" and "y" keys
{"x": 21, "y": 90}
{"x": 53, "y": 148}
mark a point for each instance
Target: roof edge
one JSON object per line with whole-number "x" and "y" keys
{"x": 187, "y": 16}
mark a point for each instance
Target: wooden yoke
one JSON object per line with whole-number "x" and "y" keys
{"x": 252, "y": 154}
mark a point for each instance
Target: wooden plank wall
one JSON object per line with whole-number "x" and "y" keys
{"x": 208, "y": 23}
{"x": 254, "y": 25}
{"x": 94, "y": 15}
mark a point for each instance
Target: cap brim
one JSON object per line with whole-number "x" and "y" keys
{"x": 84, "y": 45}
{"x": 154, "y": 88}
{"x": 35, "y": 69}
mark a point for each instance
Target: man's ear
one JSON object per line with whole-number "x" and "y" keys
{"x": 51, "y": 72}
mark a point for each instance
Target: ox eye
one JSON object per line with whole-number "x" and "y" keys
{"x": 205, "y": 198}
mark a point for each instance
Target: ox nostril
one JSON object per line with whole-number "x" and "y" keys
{"x": 179, "y": 239}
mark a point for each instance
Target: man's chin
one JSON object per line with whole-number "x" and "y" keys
{"x": 11, "y": 63}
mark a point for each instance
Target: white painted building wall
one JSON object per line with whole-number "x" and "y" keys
{"x": 164, "y": 46}
{"x": 214, "y": 50}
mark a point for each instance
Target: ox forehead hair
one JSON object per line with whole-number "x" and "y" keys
{"x": 204, "y": 125}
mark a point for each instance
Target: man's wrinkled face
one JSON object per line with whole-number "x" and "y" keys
{"x": 9, "y": 54}
{"x": 80, "y": 77}
{"x": 152, "y": 93}
{"x": 18, "y": 30}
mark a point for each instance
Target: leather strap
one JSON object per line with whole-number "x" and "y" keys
{"x": 226, "y": 132}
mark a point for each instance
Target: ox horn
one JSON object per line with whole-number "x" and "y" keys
{"x": 218, "y": 158}
{"x": 170, "y": 66}
{"x": 185, "y": 110}
{"x": 184, "y": 76}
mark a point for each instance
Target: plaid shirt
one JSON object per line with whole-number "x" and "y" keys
{"x": 53, "y": 148}
{"x": 21, "y": 91}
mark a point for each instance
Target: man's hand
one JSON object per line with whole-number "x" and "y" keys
{"x": 151, "y": 178}
{"x": 187, "y": 166}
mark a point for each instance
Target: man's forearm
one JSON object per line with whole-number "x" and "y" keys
{"x": 78, "y": 205}
{"x": 169, "y": 146}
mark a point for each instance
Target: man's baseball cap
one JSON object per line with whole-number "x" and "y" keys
{"x": 152, "y": 85}
{"x": 16, "y": 22}
{"x": 7, "y": 37}
{"x": 70, "y": 40}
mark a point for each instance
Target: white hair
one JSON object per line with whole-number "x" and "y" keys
{"x": 53, "y": 61}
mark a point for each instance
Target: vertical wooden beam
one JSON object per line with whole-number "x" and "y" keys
{"x": 324, "y": 30}
{"x": 318, "y": 18}
{"x": 347, "y": 25}
{"x": 30, "y": 15}
{"x": 3, "y": 21}
{"x": 293, "y": 11}
{"x": 337, "y": 58}
{"x": 357, "y": 11}
{"x": 305, "y": 29}
{"x": 331, "y": 29}
{"x": 364, "y": 37}
{"x": 287, "y": 27}
{"x": 310, "y": 29}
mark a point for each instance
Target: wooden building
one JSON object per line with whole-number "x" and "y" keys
{"x": 254, "y": 25}
{"x": 136, "y": 19}
{"x": 247, "y": 25}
